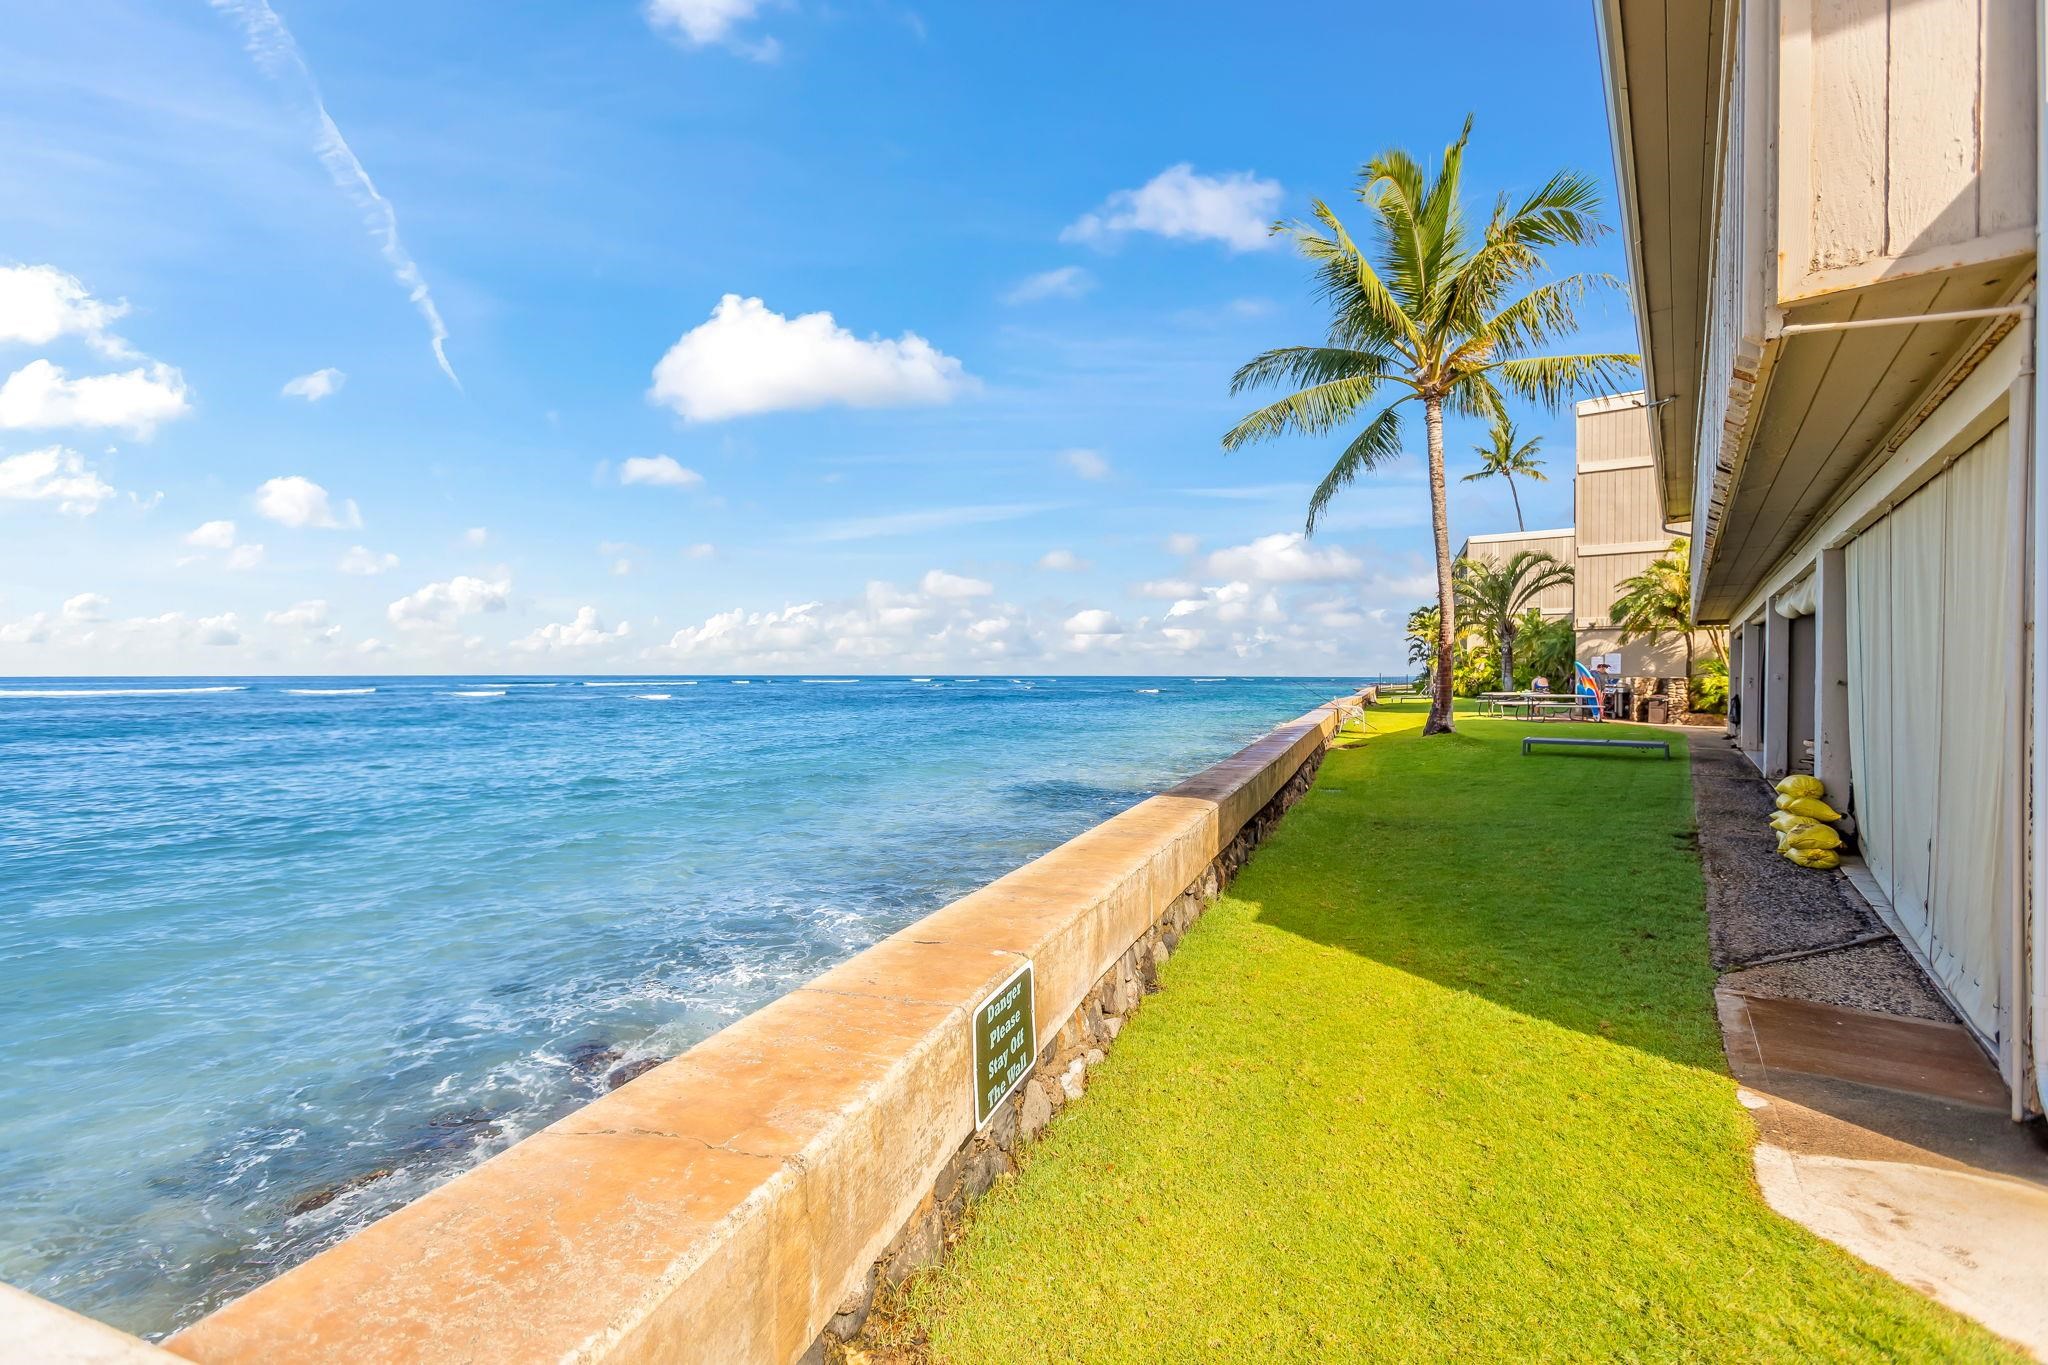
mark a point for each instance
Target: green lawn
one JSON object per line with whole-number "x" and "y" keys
{"x": 1439, "y": 1077}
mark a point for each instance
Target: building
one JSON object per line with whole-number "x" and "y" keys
{"x": 1618, "y": 530}
{"x": 1831, "y": 210}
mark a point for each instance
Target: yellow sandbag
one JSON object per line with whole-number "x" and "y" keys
{"x": 1800, "y": 784}
{"x": 1812, "y": 807}
{"x": 1785, "y": 821}
{"x": 1813, "y": 836}
{"x": 1814, "y": 857}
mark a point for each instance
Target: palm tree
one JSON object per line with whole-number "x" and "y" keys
{"x": 1422, "y": 640}
{"x": 1497, "y": 594}
{"x": 1658, "y": 602}
{"x": 1428, "y": 306}
{"x": 1503, "y": 458}
{"x": 1547, "y": 645}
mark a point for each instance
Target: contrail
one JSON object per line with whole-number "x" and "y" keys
{"x": 278, "y": 54}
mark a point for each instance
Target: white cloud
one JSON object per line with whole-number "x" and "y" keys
{"x": 245, "y": 556}
{"x": 277, "y": 53}
{"x": 742, "y": 632}
{"x": 660, "y": 471}
{"x": 952, "y": 587}
{"x": 930, "y": 519}
{"x": 360, "y": 559}
{"x": 30, "y": 630}
{"x": 1088, "y": 464}
{"x": 86, "y": 606}
{"x": 701, "y": 550}
{"x": 585, "y": 632}
{"x": 294, "y": 500}
{"x": 749, "y": 360}
{"x": 1235, "y": 208}
{"x": 441, "y": 603}
{"x": 53, "y": 474}
{"x": 1286, "y": 557}
{"x": 1093, "y": 630}
{"x": 1230, "y": 604}
{"x": 324, "y": 383}
{"x": 700, "y": 23}
{"x": 1066, "y": 282}
{"x": 476, "y": 536}
{"x": 373, "y": 645}
{"x": 304, "y": 615}
{"x": 39, "y": 394}
{"x": 1167, "y": 588}
{"x": 1181, "y": 543}
{"x": 212, "y": 535}
{"x": 40, "y": 303}
{"x": 1062, "y": 561}
{"x": 176, "y": 627}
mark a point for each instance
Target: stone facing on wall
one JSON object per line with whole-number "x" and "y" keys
{"x": 1064, "y": 1066}
{"x": 726, "y": 1205}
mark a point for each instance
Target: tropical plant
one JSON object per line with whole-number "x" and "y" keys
{"x": 1658, "y": 602}
{"x": 1496, "y": 594}
{"x": 1504, "y": 457}
{"x": 1422, "y": 642}
{"x": 1428, "y": 306}
{"x": 1709, "y": 691}
{"x": 1546, "y": 647}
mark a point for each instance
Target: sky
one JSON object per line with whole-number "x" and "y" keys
{"x": 709, "y": 336}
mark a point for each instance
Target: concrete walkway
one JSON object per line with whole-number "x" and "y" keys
{"x": 1881, "y": 1124}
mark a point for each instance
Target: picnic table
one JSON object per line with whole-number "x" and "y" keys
{"x": 1538, "y": 705}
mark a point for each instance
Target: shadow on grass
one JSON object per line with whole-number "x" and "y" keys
{"x": 1569, "y": 892}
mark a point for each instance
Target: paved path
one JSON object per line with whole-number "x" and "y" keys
{"x": 1881, "y": 1124}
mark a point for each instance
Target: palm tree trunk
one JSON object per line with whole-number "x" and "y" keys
{"x": 1440, "y": 721}
{"x": 1520, "y": 525}
{"x": 1507, "y": 661}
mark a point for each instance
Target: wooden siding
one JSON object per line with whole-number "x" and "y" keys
{"x": 1555, "y": 601}
{"x": 1908, "y": 135}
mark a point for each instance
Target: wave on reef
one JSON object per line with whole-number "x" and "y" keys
{"x": 481, "y": 692}
{"x": 653, "y": 696}
{"x": 329, "y": 691}
{"x": 112, "y": 691}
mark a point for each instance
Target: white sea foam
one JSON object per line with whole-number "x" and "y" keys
{"x": 644, "y": 682}
{"x": 112, "y": 691}
{"x": 329, "y": 691}
{"x": 920, "y": 679}
{"x": 653, "y": 696}
{"x": 479, "y": 693}
{"x": 741, "y": 682}
{"x": 833, "y": 682}
{"x": 966, "y": 680}
{"x": 1148, "y": 691}
{"x": 528, "y": 684}
{"x": 1205, "y": 680}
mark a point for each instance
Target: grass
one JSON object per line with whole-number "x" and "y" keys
{"x": 1438, "y": 1077}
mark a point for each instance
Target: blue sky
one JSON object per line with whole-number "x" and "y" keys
{"x": 231, "y": 234}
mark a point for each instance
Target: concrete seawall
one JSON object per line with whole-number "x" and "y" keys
{"x": 744, "y": 1199}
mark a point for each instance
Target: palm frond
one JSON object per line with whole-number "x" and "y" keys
{"x": 1313, "y": 411}
{"x": 1371, "y": 448}
{"x": 1309, "y": 365}
{"x": 1553, "y": 380}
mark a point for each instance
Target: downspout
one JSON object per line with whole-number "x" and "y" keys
{"x": 2037, "y": 409}
{"x": 2021, "y": 720}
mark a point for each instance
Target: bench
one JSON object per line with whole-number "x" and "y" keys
{"x": 1528, "y": 740}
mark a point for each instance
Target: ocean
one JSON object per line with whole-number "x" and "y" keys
{"x": 281, "y": 954}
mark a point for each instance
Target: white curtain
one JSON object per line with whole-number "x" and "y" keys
{"x": 1967, "y": 903}
{"x": 1870, "y": 697}
{"x": 1919, "y": 528}
{"x": 1930, "y": 606}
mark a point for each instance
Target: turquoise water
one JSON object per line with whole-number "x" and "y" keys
{"x": 282, "y": 954}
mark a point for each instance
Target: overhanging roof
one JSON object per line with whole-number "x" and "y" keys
{"x": 1661, "y": 62}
